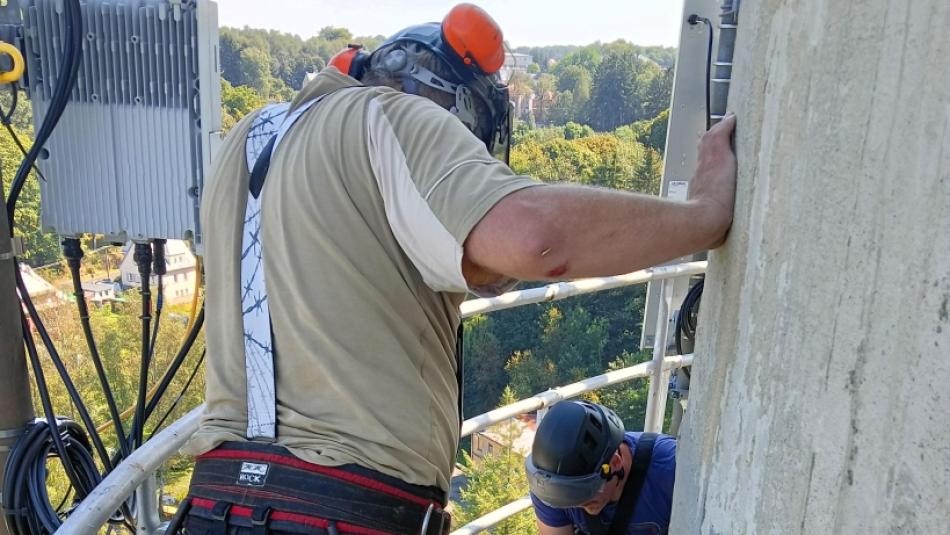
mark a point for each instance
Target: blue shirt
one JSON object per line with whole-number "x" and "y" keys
{"x": 652, "y": 512}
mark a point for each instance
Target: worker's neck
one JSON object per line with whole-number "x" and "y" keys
{"x": 626, "y": 462}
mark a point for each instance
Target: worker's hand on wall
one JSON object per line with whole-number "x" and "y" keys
{"x": 714, "y": 186}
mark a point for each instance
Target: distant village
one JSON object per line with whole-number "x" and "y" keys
{"x": 178, "y": 282}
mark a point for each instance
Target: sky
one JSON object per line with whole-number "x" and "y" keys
{"x": 524, "y": 22}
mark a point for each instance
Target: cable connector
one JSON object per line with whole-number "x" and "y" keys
{"x": 72, "y": 250}
{"x": 143, "y": 259}
{"x": 159, "y": 265}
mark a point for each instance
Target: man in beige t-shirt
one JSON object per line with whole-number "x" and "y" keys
{"x": 383, "y": 205}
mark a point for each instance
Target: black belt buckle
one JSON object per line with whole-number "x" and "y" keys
{"x": 436, "y": 521}
{"x": 260, "y": 518}
{"x": 220, "y": 513}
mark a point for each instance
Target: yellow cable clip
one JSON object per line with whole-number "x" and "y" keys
{"x": 14, "y": 74}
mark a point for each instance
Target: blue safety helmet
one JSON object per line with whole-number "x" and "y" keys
{"x": 469, "y": 45}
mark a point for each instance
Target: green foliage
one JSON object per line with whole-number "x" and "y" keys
{"x": 616, "y": 96}
{"x": 651, "y": 132}
{"x": 576, "y": 154}
{"x": 495, "y": 481}
{"x": 117, "y": 331}
{"x": 41, "y": 247}
{"x": 573, "y": 130}
{"x": 329, "y": 33}
{"x": 118, "y": 335}
{"x": 628, "y": 400}
{"x": 602, "y": 85}
{"x": 483, "y": 358}
{"x": 588, "y": 58}
{"x": 236, "y": 102}
{"x": 572, "y": 344}
{"x": 273, "y": 63}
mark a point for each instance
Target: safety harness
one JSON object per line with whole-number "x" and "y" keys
{"x": 643, "y": 454}
{"x": 268, "y": 129}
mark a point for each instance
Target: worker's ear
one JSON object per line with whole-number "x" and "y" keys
{"x": 616, "y": 461}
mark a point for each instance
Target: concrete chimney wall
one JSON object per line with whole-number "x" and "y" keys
{"x": 820, "y": 397}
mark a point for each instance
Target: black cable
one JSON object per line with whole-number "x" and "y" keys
{"x": 143, "y": 259}
{"x": 66, "y": 81}
{"x": 19, "y": 144}
{"x": 6, "y": 119}
{"x": 74, "y": 396}
{"x": 40, "y": 377}
{"x": 159, "y": 267}
{"x": 176, "y": 363}
{"x": 72, "y": 250}
{"x": 181, "y": 395}
{"x": 26, "y": 500}
{"x": 61, "y": 369}
{"x": 67, "y": 382}
{"x": 686, "y": 319}
{"x": 694, "y": 20}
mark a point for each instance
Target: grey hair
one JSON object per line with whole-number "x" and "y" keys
{"x": 377, "y": 74}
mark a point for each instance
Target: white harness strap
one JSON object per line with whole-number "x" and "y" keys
{"x": 272, "y": 121}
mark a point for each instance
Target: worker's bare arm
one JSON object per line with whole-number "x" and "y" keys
{"x": 568, "y": 231}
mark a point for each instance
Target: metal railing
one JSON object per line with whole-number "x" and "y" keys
{"x": 132, "y": 473}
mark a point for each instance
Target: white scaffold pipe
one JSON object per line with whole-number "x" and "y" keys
{"x": 104, "y": 500}
{"x": 561, "y": 290}
{"x": 550, "y": 397}
{"x": 494, "y": 518}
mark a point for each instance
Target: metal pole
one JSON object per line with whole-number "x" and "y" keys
{"x": 16, "y": 407}
{"x": 656, "y": 400}
{"x": 148, "y": 521}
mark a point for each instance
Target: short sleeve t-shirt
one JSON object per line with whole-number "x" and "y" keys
{"x": 652, "y": 512}
{"x": 367, "y": 204}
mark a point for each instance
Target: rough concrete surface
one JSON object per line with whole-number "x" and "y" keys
{"x": 820, "y": 400}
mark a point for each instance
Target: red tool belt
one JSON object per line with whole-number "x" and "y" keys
{"x": 258, "y": 489}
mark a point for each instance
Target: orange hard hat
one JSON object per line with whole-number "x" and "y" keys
{"x": 475, "y": 37}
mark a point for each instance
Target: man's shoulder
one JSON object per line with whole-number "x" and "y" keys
{"x": 632, "y": 438}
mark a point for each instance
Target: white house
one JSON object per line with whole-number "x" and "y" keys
{"x": 515, "y": 62}
{"x": 42, "y": 293}
{"x": 519, "y": 432}
{"x": 179, "y": 279}
{"x": 99, "y": 292}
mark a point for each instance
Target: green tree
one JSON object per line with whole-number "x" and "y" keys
{"x": 546, "y": 93}
{"x": 331, "y": 33}
{"x": 236, "y": 102}
{"x": 256, "y": 65}
{"x": 483, "y": 358}
{"x": 575, "y": 79}
{"x": 41, "y": 247}
{"x": 588, "y": 57}
{"x": 628, "y": 400}
{"x": 616, "y": 97}
{"x": 573, "y": 130}
{"x": 495, "y": 481}
{"x": 529, "y": 374}
{"x": 656, "y": 90}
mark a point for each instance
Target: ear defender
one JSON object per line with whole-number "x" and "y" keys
{"x": 351, "y": 61}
